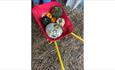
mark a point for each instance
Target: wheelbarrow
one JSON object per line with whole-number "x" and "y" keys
{"x": 68, "y": 27}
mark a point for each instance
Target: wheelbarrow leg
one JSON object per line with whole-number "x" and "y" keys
{"x": 59, "y": 56}
{"x": 78, "y": 37}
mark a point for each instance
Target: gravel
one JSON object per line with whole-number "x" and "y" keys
{"x": 44, "y": 56}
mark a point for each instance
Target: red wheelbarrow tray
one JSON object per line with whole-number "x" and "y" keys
{"x": 39, "y": 10}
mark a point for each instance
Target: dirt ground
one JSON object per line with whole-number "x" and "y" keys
{"x": 44, "y": 56}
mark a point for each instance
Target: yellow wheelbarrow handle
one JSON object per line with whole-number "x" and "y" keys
{"x": 59, "y": 56}
{"x": 77, "y": 37}
{"x": 58, "y": 52}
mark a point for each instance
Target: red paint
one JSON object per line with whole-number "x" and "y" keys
{"x": 37, "y": 12}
